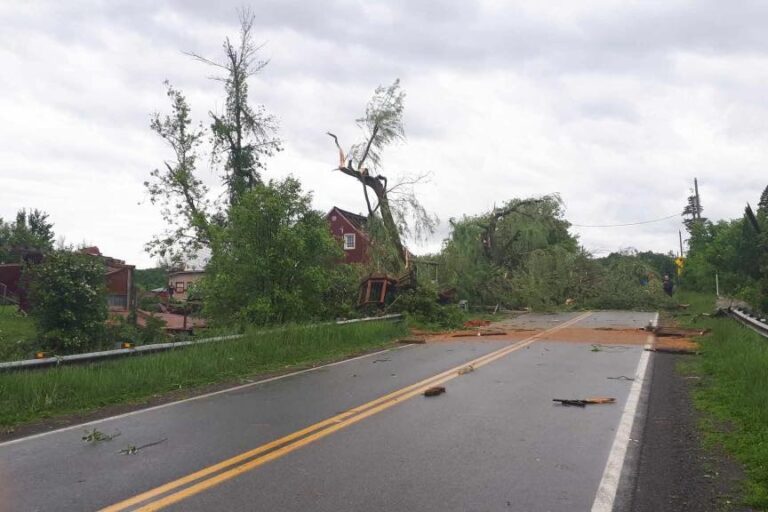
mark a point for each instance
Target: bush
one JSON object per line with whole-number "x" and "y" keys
{"x": 420, "y": 304}
{"x": 150, "y": 302}
{"x": 153, "y": 332}
{"x": 340, "y": 298}
{"x": 69, "y": 307}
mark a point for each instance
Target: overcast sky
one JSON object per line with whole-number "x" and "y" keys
{"x": 615, "y": 105}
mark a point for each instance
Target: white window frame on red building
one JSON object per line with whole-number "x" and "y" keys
{"x": 347, "y": 238}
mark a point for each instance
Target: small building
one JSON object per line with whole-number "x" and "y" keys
{"x": 180, "y": 282}
{"x": 349, "y": 229}
{"x": 121, "y": 292}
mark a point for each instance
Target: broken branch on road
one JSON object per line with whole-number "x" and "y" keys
{"x": 585, "y": 401}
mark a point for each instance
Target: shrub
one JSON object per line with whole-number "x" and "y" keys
{"x": 69, "y": 301}
{"x": 420, "y": 304}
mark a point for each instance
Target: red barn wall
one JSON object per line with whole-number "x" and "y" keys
{"x": 341, "y": 226}
{"x": 118, "y": 283}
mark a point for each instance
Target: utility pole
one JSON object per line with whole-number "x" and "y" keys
{"x": 697, "y": 214}
{"x": 680, "y": 234}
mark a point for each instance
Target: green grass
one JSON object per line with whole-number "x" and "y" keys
{"x": 17, "y": 334}
{"x": 31, "y": 395}
{"x": 733, "y": 392}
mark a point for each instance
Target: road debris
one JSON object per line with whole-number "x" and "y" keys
{"x": 466, "y": 369}
{"x": 434, "y": 391}
{"x": 95, "y": 436}
{"x": 678, "y": 332}
{"x": 583, "y": 402}
{"x": 479, "y": 333}
{"x": 418, "y": 341}
{"x": 133, "y": 450}
{"x": 665, "y": 350}
{"x": 621, "y": 377}
{"x": 674, "y": 345}
{"x": 596, "y": 347}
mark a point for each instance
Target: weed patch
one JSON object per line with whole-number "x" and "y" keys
{"x": 17, "y": 334}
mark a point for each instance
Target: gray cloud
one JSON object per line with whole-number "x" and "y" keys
{"x": 616, "y": 106}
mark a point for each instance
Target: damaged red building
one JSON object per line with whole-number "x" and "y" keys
{"x": 349, "y": 229}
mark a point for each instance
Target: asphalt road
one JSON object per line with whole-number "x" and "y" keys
{"x": 493, "y": 441}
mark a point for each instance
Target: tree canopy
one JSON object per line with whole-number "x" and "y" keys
{"x": 274, "y": 262}
{"x": 31, "y": 230}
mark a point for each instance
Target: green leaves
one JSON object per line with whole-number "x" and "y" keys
{"x": 68, "y": 297}
{"x": 274, "y": 262}
{"x": 30, "y": 231}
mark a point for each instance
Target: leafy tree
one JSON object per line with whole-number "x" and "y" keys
{"x": 483, "y": 252}
{"x": 396, "y": 204}
{"x": 628, "y": 282}
{"x": 30, "y": 231}
{"x": 551, "y": 275}
{"x": 151, "y": 278}
{"x": 180, "y": 194}
{"x": 661, "y": 264}
{"x": 69, "y": 300}
{"x": 762, "y": 205}
{"x": 242, "y": 135}
{"x": 274, "y": 262}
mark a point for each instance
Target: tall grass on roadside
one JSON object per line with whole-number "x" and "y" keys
{"x": 17, "y": 333}
{"x": 31, "y": 395}
{"x": 734, "y": 391}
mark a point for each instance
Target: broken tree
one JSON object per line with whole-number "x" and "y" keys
{"x": 383, "y": 125}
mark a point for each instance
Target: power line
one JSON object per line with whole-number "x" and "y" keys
{"x": 627, "y": 224}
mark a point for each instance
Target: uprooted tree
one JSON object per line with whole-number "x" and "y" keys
{"x": 242, "y": 137}
{"x": 393, "y": 202}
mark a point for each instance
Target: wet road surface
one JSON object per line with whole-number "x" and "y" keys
{"x": 493, "y": 441}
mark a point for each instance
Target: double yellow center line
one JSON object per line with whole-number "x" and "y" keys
{"x": 194, "y": 483}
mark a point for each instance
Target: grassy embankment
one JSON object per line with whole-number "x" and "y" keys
{"x": 732, "y": 392}
{"x": 16, "y": 334}
{"x": 32, "y": 395}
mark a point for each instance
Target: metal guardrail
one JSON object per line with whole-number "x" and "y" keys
{"x": 47, "y": 362}
{"x": 758, "y": 325}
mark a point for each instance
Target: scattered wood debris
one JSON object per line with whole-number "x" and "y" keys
{"x": 683, "y": 351}
{"x": 466, "y": 369}
{"x": 583, "y": 402}
{"x": 678, "y": 332}
{"x": 434, "y": 391}
{"x": 675, "y": 345}
{"x": 479, "y": 333}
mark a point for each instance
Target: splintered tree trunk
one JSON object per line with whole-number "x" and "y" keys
{"x": 390, "y": 226}
{"x": 379, "y": 186}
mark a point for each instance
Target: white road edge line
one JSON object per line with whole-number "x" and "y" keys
{"x": 198, "y": 397}
{"x": 609, "y": 483}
